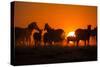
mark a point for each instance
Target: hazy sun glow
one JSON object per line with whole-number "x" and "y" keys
{"x": 71, "y": 34}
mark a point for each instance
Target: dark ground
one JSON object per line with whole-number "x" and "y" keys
{"x": 54, "y": 54}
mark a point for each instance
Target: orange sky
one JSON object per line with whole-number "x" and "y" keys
{"x": 66, "y": 17}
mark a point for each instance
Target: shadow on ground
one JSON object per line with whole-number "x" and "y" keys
{"x": 54, "y": 54}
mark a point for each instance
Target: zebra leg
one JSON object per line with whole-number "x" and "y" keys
{"x": 88, "y": 43}
{"x": 77, "y": 43}
{"x": 67, "y": 42}
{"x": 35, "y": 43}
{"x": 25, "y": 42}
{"x": 44, "y": 43}
{"x": 28, "y": 41}
{"x": 74, "y": 42}
{"x": 38, "y": 43}
{"x": 85, "y": 42}
{"x": 50, "y": 43}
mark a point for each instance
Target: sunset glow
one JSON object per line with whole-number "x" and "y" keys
{"x": 71, "y": 34}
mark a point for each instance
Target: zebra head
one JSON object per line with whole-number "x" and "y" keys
{"x": 33, "y": 25}
{"x": 47, "y": 27}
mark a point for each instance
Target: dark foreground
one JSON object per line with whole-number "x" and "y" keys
{"x": 54, "y": 54}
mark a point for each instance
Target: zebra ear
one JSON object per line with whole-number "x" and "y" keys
{"x": 46, "y": 26}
